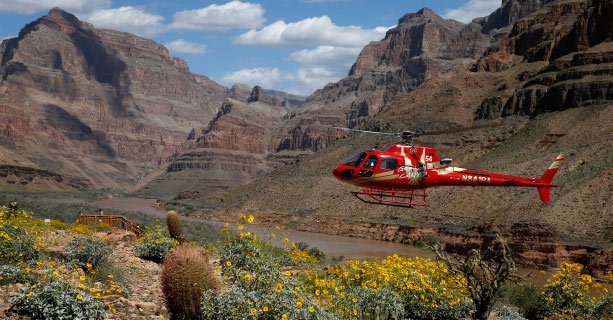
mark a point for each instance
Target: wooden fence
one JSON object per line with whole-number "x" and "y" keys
{"x": 114, "y": 221}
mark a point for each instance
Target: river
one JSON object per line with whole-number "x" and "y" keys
{"x": 333, "y": 246}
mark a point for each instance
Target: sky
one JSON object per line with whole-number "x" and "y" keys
{"x": 296, "y": 46}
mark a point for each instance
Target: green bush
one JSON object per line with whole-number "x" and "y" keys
{"x": 155, "y": 244}
{"x": 369, "y": 304}
{"x": 242, "y": 302}
{"x": 109, "y": 268}
{"x": 527, "y": 299}
{"x": 186, "y": 274}
{"x": 88, "y": 250}
{"x": 507, "y": 313}
{"x": 175, "y": 228}
{"x": 56, "y": 300}
{"x": 13, "y": 274}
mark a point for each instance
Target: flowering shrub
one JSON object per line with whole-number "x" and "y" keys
{"x": 55, "y": 299}
{"x": 573, "y": 295}
{"x": 427, "y": 289}
{"x": 258, "y": 289}
{"x": 239, "y": 302}
{"x": 88, "y": 250}
{"x": 155, "y": 244}
{"x": 303, "y": 258}
{"x": 18, "y": 241}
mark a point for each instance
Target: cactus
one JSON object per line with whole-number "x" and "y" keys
{"x": 186, "y": 274}
{"x": 175, "y": 228}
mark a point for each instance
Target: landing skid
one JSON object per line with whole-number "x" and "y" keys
{"x": 407, "y": 199}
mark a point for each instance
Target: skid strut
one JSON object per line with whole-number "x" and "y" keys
{"x": 392, "y": 197}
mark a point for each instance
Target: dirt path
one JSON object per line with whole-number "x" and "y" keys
{"x": 145, "y": 299}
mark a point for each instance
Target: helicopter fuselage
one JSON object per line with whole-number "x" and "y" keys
{"x": 405, "y": 167}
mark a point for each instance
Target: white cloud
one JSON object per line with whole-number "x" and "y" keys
{"x": 128, "y": 19}
{"x": 232, "y": 15}
{"x": 311, "y": 31}
{"x": 34, "y": 6}
{"x": 331, "y": 57}
{"x": 6, "y": 37}
{"x": 320, "y": 66}
{"x": 336, "y": 49}
{"x": 472, "y": 9}
{"x": 306, "y": 80}
{"x": 183, "y": 46}
{"x": 264, "y": 77}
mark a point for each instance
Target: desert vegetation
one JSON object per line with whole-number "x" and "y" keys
{"x": 267, "y": 276}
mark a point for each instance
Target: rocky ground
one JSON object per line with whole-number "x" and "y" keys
{"x": 144, "y": 299}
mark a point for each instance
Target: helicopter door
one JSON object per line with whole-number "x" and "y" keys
{"x": 370, "y": 163}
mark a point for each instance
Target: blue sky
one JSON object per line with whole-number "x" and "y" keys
{"x": 291, "y": 45}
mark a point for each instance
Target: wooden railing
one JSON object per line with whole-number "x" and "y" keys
{"x": 114, "y": 221}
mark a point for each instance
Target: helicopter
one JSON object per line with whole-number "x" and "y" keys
{"x": 400, "y": 175}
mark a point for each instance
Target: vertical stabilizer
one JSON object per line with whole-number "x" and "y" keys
{"x": 545, "y": 192}
{"x": 553, "y": 169}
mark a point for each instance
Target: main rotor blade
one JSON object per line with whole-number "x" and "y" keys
{"x": 462, "y": 129}
{"x": 367, "y": 131}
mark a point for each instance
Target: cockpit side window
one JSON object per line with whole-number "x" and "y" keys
{"x": 371, "y": 162}
{"x": 389, "y": 164}
{"x": 356, "y": 159}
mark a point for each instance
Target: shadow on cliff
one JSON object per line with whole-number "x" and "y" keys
{"x": 74, "y": 129}
{"x": 104, "y": 65}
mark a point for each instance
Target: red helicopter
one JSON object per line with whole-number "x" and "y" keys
{"x": 401, "y": 175}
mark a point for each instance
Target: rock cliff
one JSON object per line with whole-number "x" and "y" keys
{"x": 569, "y": 46}
{"x": 100, "y": 104}
{"x": 237, "y": 146}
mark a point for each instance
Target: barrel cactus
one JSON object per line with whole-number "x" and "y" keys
{"x": 186, "y": 274}
{"x": 175, "y": 228}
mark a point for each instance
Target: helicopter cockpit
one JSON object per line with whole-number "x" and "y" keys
{"x": 356, "y": 160}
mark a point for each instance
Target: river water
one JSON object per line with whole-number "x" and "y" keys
{"x": 333, "y": 246}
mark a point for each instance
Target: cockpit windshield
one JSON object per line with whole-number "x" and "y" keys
{"x": 356, "y": 159}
